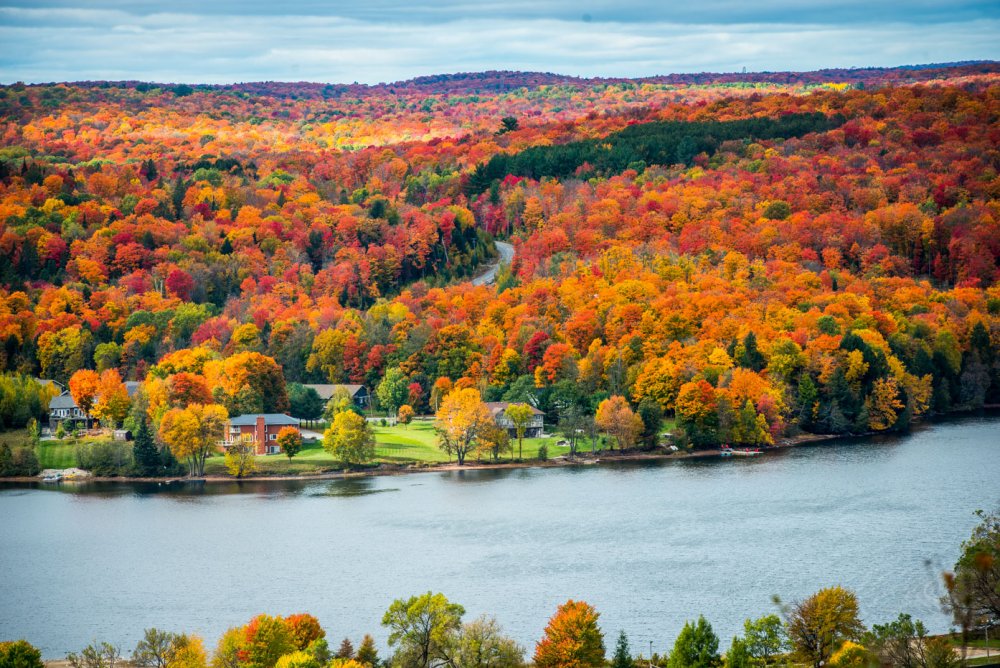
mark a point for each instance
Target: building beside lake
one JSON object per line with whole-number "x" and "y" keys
{"x": 63, "y": 409}
{"x": 358, "y": 393}
{"x": 260, "y": 430}
{"x": 499, "y": 411}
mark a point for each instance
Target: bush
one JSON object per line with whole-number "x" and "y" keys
{"x": 105, "y": 458}
{"x": 18, "y": 461}
{"x": 20, "y": 654}
{"x": 543, "y": 452}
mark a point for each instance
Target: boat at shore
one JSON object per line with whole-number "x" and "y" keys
{"x": 727, "y": 451}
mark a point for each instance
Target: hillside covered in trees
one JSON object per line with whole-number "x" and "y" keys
{"x": 757, "y": 256}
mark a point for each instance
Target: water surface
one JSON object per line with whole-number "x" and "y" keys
{"x": 650, "y": 545}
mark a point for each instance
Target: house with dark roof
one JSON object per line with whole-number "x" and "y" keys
{"x": 358, "y": 393}
{"x": 259, "y": 429}
{"x": 499, "y": 411}
{"x": 63, "y": 408}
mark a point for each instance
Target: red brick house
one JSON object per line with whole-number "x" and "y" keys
{"x": 259, "y": 429}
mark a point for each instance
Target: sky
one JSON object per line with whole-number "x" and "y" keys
{"x": 372, "y": 41}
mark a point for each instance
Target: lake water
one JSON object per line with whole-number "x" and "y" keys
{"x": 649, "y": 545}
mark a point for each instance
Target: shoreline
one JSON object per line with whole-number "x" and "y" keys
{"x": 564, "y": 461}
{"x": 584, "y": 458}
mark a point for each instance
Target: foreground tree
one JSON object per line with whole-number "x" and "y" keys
{"x": 144, "y": 452}
{"x": 405, "y": 415}
{"x": 974, "y": 588}
{"x": 155, "y": 650}
{"x": 697, "y": 646}
{"x": 572, "y": 638}
{"x": 192, "y": 432}
{"x": 112, "y": 402}
{"x": 482, "y": 644}
{"x": 461, "y": 419}
{"x": 20, "y": 654}
{"x": 765, "y": 637}
{"x": 622, "y": 657}
{"x": 350, "y": 439}
{"x": 421, "y": 629}
{"x": 103, "y": 655}
{"x": 820, "y": 624}
{"x": 367, "y": 653}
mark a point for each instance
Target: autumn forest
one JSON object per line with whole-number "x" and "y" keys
{"x": 756, "y": 257}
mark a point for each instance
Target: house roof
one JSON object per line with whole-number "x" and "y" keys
{"x": 45, "y": 381}
{"x": 132, "y": 386}
{"x": 326, "y": 392}
{"x": 64, "y": 400}
{"x": 269, "y": 418}
{"x": 500, "y": 406}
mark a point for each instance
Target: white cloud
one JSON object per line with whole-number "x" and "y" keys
{"x": 68, "y": 44}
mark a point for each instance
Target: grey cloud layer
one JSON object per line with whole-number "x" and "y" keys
{"x": 386, "y": 41}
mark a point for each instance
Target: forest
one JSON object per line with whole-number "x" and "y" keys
{"x": 756, "y": 257}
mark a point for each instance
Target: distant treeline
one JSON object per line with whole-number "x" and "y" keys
{"x": 640, "y": 145}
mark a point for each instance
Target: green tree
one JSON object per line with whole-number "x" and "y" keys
{"x": 421, "y": 629}
{"x": 367, "y": 653}
{"x": 974, "y": 588}
{"x": 697, "y": 646}
{"x": 765, "y": 637}
{"x": 155, "y": 650}
{"x": 520, "y": 416}
{"x": 820, "y": 624}
{"x": 393, "y": 391}
{"x": 103, "y": 655}
{"x": 622, "y": 658}
{"x": 651, "y": 414}
{"x": 898, "y": 643}
{"x": 20, "y": 654}
{"x": 739, "y": 655}
{"x": 144, "y": 452}
{"x": 482, "y": 644}
{"x": 304, "y": 402}
{"x": 350, "y": 439}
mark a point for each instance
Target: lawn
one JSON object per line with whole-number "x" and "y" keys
{"x": 57, "y": 454}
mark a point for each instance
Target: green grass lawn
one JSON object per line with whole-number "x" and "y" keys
{"x": 57, "y": 454}
{"x": 415, "y": 443}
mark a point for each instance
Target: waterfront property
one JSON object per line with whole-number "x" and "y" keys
{"x": 259, "y": 429}
{"x": 63, "y": 408}
{"x": 499, "y": 411}
{"x": 358, "y": 393}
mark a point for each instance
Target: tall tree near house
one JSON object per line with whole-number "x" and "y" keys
{"x": 461, "y": 419}
{"x": 144, "y": 452}
{"x": 290, "y": 441}
{"x": 83, "y": 387}
{"x": 112, "y": 402}
{"x": 393, "y": 390}
{"x": 520, "y": 416}
{"x": 192, "y": 432}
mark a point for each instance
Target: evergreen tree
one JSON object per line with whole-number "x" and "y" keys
{"x": 738, "y": 655}
{"x": 367, "y": 654}
{"x": 346, "y": 650}
{"x": 697, "y": 646}
{"x": 748, "y": 355}
{"x": 622, "y": 657}
{"x": 147, "y": 457}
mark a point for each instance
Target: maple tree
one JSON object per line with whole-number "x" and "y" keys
{"x": 572, "y": 638}
{"x": 461, "y": 420}
{"x": 192, "y": 432}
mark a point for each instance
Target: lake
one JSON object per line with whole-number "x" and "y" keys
{"x": 650, "y": 545}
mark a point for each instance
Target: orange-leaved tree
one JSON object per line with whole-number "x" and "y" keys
{"x": 616, "y": 417}
{"x": 461, "y": 419}
{"x": 572, "y": 638}
{"x": 84, "y": 386}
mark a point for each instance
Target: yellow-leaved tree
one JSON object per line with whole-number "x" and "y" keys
{"x": 883, "y": 404}
{"x": 350, "y": 439}
{"x": 192, "y": 432}
{"x": 461, "y": 419}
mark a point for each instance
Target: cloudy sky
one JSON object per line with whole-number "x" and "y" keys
{"x": 371, "y": 41}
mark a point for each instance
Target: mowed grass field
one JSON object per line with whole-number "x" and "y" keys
{"x": 415, "y": 443}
